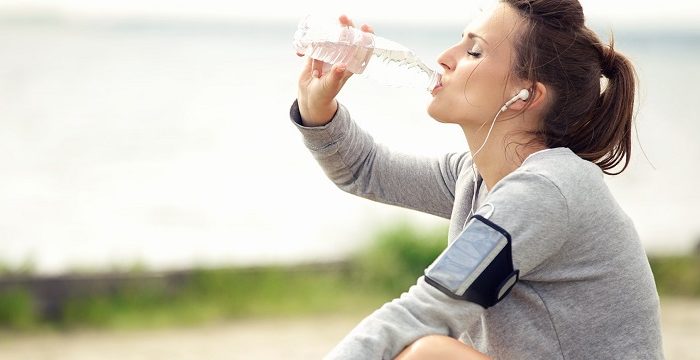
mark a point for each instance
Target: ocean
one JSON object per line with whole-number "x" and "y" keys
{"x": 167, "y": 144}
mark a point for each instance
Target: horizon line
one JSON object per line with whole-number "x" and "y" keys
{"x": 48, "y": 15}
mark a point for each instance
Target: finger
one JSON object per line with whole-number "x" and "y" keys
{"x": 307, "y": 66}
{"x": 345, "y": 21}
{"x": 339, "y": 75}
{"x": 308, "y": 72}
{"x": 317, "y": 68}
{"x": 367, "y": 28}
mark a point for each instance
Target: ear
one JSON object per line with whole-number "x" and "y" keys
{"x": 538, "y": 95}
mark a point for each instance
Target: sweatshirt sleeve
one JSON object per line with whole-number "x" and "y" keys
{"x": 532, "y": 209}
{"x": 358, "y": 165}
{"x": 528, "y": 210}
{"x": 421, "y": 311}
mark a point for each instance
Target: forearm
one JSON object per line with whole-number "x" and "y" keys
{"x": 422, "y": 311}
{"x": 356, "y": 164}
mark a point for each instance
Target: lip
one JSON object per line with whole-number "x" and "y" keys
{"x": 437, "y": 87}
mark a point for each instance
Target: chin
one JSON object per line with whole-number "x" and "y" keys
{"x": 435, "y": 114}
{"x": 438, "y": 119}
{"x": 440, "y": 116}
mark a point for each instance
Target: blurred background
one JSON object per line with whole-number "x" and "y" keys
{"x": 152, "y": 181}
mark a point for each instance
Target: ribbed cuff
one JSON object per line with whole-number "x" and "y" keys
{"x": 319, "y": 137}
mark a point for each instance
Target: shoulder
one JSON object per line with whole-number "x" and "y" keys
{"x": 554, "y": 179}
{"x": 549, "y": 179}
{"x": 564, "y": 169}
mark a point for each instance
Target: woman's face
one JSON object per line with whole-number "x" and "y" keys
{"x": 477, "y": 77}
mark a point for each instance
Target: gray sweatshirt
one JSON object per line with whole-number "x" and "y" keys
{"x": 586, "y": 290}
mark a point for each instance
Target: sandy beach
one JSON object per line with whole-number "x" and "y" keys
{"x": 293, "y": 338}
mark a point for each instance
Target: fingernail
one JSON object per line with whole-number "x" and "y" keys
{"x": 316, "y": 73}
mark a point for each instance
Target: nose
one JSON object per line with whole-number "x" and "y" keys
{"x": 446, "y": 60}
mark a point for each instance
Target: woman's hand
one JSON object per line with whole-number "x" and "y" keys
{"x": 317, "y": 90}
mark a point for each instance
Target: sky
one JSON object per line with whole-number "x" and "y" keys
{"x": 670, "y": 12}
{"x": 122, "y": 190}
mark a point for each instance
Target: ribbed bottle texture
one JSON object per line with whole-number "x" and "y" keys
{"x": 374, "y": 57}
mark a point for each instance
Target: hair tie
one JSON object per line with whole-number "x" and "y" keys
{"x": 608, "y": 61}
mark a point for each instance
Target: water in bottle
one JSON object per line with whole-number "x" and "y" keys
{"x": 364, "y": 53}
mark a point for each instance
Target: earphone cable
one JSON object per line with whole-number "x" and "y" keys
{"x": 473, "y": 166}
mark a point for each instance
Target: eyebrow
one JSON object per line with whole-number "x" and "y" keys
{"x": 471, "y": 35}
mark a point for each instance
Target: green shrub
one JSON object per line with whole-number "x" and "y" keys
{"x": 17, "y": 309}
{"x": 385, "y": 269}
{"x": 398, "y": 257}
{"x": 677, "y": 275}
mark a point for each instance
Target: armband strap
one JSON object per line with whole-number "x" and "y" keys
{"x": 477, "y": 266}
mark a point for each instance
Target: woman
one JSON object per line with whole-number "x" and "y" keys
{"x": 542, "y": 263}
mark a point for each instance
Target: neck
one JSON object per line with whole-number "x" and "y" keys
{"x": 505, "y": 150}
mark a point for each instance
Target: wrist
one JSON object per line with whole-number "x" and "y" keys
{"x": 317, "y": 115}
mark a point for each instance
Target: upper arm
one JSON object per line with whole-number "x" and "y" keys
{"x": 522, "y": 224}
{"x": 533, "y": 210}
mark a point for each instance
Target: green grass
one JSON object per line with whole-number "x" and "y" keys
{"x": 214, "y": 294}
{"x": 371, "y": 277}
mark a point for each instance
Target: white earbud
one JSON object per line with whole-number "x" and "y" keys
{"x": 523, "y": 95}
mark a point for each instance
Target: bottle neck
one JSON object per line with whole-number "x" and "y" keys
{"x": 434, "y": 80}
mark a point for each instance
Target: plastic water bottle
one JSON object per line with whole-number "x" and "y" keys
{"x": 363, "y": 53}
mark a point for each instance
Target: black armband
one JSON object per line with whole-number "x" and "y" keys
{"x": 477, "y": 266}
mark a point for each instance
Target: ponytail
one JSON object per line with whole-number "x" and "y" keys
{"x": 557, "y": 49}
{"x": 612, "y": 116}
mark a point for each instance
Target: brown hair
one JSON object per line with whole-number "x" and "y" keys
{"x": 557, "y": 49}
